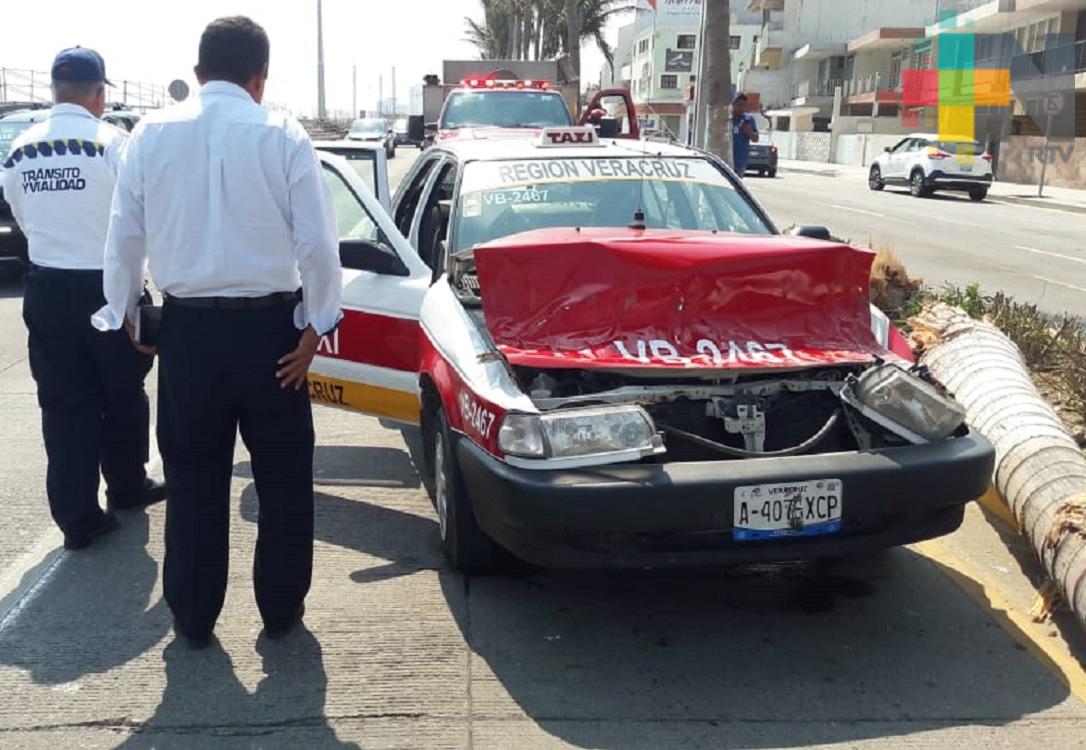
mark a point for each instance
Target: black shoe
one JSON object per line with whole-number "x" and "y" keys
{"x": 84, "y": 533}
{"x": 152, "y": 492}
{"x": 275, "y": 633}
{"x": 196, "y": 642}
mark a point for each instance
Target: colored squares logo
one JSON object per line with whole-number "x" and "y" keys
{"x": 956, "y": 87}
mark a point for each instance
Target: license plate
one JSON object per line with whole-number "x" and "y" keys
{"x": 966, "y": 167}
{"x": 771, "y": 511}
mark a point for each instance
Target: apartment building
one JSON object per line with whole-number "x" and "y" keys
{"x": 803, "y": 62}
{"x": 807, "y": 48}
{"x": 658, "y": 55}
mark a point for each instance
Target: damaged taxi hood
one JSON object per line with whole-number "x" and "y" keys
{"x": 631, "y": 299}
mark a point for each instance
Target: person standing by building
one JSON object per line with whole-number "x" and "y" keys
{"x": 59, "y": 179}
{"x": 744, "y": 132}
{"x": 228, "y": 204}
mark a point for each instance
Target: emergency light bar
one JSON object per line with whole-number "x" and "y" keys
{"x": 491, "y": 83}
{"x": 573, "y": 137}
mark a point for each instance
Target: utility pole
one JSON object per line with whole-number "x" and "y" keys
{"x": 715, "y": 81}
{"x": 380, "y": 94}
{"x": 321, "y": 111}
{"x": 395, "y": 112}
{"x": 354, "y": 91}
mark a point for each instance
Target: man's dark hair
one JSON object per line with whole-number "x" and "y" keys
{"x": 233, "y": 49}
{"x": 740, "y": 97}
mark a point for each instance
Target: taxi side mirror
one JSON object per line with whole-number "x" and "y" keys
{"x": 367, "y": 255}
{"x": 813, "y": 231}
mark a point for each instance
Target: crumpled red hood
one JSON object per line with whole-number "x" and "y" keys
{"x": 565, "y": 298}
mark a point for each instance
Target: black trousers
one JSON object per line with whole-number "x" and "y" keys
{"x": 95, "y": 413}
{"x": 216, "y": 375}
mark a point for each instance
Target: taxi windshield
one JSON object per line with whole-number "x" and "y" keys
{"x": 499, "y": 199}
{"x": 505, "y": 109}
{"x": 9, "y": 131}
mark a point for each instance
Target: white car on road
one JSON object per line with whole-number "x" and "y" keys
{"x": 925, "y": 164}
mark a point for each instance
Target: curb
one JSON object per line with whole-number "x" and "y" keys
{"x": 1037, "y": 203}
{"x": 818, "y": 172}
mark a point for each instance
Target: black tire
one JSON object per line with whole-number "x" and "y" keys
{"x": 978, "y": 194}
{"x": 874, "y": 179}
{"x": 918, "y": 186}
{"x": 465, "y": 544}
{"x": 761, "y": 173}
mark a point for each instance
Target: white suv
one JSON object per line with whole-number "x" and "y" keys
{"x": 926, "y": 164}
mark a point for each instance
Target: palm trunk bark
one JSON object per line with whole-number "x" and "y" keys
{"x": 715, "y": 80}
{"x": 573, "y": 37}
{"x": 1040, "y": 470}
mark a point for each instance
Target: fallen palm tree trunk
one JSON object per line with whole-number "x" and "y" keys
{"x": 1040, "y": 469}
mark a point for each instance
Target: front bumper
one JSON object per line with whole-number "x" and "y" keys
{"x": 656, "y": 515}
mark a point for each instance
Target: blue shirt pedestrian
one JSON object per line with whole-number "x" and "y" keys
{"x": 741, "y": 138}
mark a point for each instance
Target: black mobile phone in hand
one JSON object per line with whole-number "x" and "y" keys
{"x": 150, "y": 320}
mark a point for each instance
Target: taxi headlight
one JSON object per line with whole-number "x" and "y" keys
{"x": 573, "y": 433}
{"x": 905, "y": 404}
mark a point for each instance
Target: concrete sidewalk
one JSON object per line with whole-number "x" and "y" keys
{"x": 1056, "y": 198}
{"x": 400, "y": 652}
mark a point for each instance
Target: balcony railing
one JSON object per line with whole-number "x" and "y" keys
{"x": 868, "y": 84}
{"x": 1066, "y": 60}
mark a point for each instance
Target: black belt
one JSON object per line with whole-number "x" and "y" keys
{"x": 235, "y": 303}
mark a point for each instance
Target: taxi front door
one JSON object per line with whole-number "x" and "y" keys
{"x": 370, "y": 362}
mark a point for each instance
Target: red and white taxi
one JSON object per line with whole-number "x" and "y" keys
{"x": 617, "y": 360}
{"x": 487, "y": 106}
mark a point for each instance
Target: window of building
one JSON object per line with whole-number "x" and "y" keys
{"x": 669, "y": 81}
{"x": 736, "y": 42}
{"x": 896, "y": 61}
{"x": 687, "y": 41}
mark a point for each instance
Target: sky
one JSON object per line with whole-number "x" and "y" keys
{"x": 156, "y": 42}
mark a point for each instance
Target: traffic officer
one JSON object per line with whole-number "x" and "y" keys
{"x": 228, "y": 204}
{"x": 59, "y": 179}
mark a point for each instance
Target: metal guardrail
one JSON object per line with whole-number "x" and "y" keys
{"x": 34, "y": 86}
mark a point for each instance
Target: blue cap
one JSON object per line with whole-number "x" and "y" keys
{"x": 80, "y": 64}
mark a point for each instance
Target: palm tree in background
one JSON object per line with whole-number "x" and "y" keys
{"x": 537, "y": 29}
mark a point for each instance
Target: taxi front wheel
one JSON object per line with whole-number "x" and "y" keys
{"x": 465, "y": 544}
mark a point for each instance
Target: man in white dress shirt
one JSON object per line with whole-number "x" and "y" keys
{"x": 228, "y": 204}
{"x": 58, "y": 178}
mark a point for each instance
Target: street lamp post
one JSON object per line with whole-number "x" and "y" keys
{"x": 321, "y": 111}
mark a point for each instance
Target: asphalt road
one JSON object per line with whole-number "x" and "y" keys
{"x": 902, "y": 651}
{"x": 1036, "y": 255}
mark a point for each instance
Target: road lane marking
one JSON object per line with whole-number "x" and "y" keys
{"x": 1049, "y": 252}
{"x": 30, "y": 576}
{"x": 1018, "y": 625}
{"x": 857, "y": 210}
{"x": 1060, "y": 283}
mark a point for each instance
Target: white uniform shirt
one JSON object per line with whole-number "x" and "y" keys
{"x": 222, "y": 198}
{"x": 58, "y": 179}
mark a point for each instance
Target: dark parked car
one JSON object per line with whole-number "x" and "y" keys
{"x": 763, "y": 159}
{"x": 12, "y": 241}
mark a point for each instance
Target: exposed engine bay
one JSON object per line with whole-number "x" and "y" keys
{"x": 792, "y": 414}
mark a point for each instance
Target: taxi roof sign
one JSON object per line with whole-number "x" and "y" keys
{"x": 571, "y": 137}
